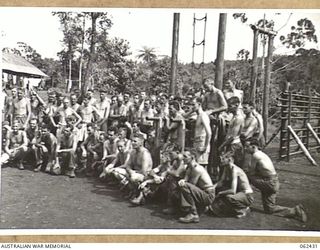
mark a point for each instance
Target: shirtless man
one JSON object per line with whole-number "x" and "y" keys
{"x": 49, "y": 109}
{"x": 175, "y": 173}
{"x": 110, "y": 148}
{"x": 16, "y": 145}
{"x": 47, "y": 148}
{"x": 213, "y": 101}
{"x": 196, "y": 189}
{"x": 147, "y": 112}
{"x": 126, "y": 100}
{"x": 250, "y": 127}
{"x": 122, "y": 133}
{"x": 117, "y": 166}
{"x": 134, "y": 109}
{"x": 176, "y": 129}
{"x": 74, "y": 102}
{"x": 153, "y": 181}
{"x": 88, "y": 156}
{"x": 138, "y": 166}
{"x": 88, "y": 113}
{"x": 142, "y": 97}
{"x": 120, "y": 108}
{"x": 202, "y": 135}
{"x": 22, "y": 109}
{"x": 33, "y": 136}
{"x": 250, "y": 130}
{"x": 66, "y": 150}
{"x": 264, "y": 177}
{"x": 103, "y": 107}
{"x": 214, "y": 104}
{"x": 36, "y": 105}
{"x": 9, "y": 105}
{"x": 232, "y": 142}
{"x": 233, "y": 191}
{"x": 260, "y": 134}
{"x": 92, "y": 100}
{"x": 64, "y": 112}
{"x": 230, "y": 90}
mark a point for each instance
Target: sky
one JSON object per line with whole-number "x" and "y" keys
{"x": 152, "y": 28}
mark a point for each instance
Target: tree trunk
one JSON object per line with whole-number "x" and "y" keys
{"x": 94, "y": 16}
{"x": 220, "y": 50}
{"x": 69, "y": 85}
{"x": 81, "y": 53}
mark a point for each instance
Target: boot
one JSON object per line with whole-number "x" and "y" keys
{"x": 140, "y": 200}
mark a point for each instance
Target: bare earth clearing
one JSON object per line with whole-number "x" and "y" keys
{"x": 32, "y": 200}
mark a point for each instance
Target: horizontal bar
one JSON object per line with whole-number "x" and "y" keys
{"x": 297, "y": 106}
{"x": 264, "y": 31}
{"x": 299, "y": 129}
{"x": 299, "y": 152}
{"x": 300, "y": 112}
{"x": 299, "y": 117}
{"x": 300, "y": 101}
{"x": 305, "y": 96}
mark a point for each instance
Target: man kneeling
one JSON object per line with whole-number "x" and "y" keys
{"x": 233, "y": 191}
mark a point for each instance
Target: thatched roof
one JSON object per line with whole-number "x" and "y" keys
{"x": 17, "y": 65}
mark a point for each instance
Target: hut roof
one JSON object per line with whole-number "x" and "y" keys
{"x": 14, "y": 64}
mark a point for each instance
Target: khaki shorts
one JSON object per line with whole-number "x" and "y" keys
{"x": 202, "y": 157}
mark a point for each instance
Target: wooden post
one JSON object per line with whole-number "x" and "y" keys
{"x": 313, "y": 133}
{"x": 220, "y": 50}
{"x": 289, "y": 124}
{"x": 69, "y": 76}
{"x": 301, "y": 145}
{"x": 254, "y": 71}
{"x": 267, "y": 86}
{"x": 309, "y": 115}
{"x": 174, "y": 53}
{"x": 284, "y": 122}
{"x": 274, "y": 136}
{"x": 157, "y": 127}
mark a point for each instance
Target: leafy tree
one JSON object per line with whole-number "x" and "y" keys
{"x": 300, "y": 34}
{"x": 243, "y": 55}
{"x": 147, "y": 54}
{"x": 112, "y": 68}
{"x": 242, "y": 16}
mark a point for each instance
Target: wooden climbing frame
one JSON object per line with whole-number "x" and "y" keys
{"x": 300, "y": 124}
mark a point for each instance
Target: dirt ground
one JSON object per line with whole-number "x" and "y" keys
{"x": 32, "y": 200}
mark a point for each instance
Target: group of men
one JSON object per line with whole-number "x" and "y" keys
{"x": 200, "y": 154}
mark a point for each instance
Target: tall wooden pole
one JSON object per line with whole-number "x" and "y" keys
{"x": 174, "y": 55}
{"x": 220, "y": 50}
{"x": 267, "y": 85}
{"x": 254, "y": 71}
{"x": 69, "y": 77}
